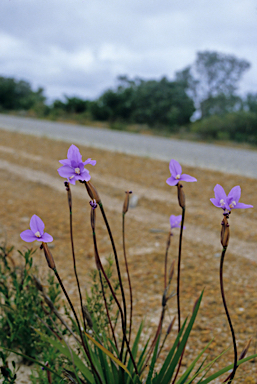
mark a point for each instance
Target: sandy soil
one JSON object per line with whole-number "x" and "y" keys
{"x": 30, "y": 184}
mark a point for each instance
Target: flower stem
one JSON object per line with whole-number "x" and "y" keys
{"x": 73, "y": 251}
{"x": 179, "y": 263}
{"x": 107, "y": 310}
{"x": 79, "y": 327}
{"x": 118, "y": 270}
{"x": 231, "y": 377}
{"x": 166, "y": 260}
{"x": 99, "y": 265}
{"x": 129, "y": 281}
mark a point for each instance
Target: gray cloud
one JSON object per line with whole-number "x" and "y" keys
{"x": 80, "y": 46}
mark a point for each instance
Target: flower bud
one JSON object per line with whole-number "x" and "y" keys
{"x": 126, "y": 202}
{"x": 181, "y": 196}
{"x": 67, "y": 187}
{"x": 171, "y": 270}
{"x": 224, "y": 235}
{"x": 91, "y": 190}
{"x": 48, "y": 256}
{"x": 244, "y": 351}
{"x": 171, "y": 325}
{"x": 93, "y": 204}
{"x": 164, "y": 298}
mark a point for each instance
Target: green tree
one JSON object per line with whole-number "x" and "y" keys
{"x": 75, "y": 105}
{"x": 213, "y": 79}
{"x": 17, "y": 94}
{"x": 161, "y": 103}
{"x": 250, "y": 103}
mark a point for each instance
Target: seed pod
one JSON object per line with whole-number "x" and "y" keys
{"x": 181, "y": 196}
{"x": 48, "y": 256}
{"x": 91, "y": 190}
{"x": 126, "y": 202}
{"x": 67, "y": 186}
{"x": 224, "y": 235}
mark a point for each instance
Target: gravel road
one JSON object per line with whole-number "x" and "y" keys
{"x": 207, "y": 156}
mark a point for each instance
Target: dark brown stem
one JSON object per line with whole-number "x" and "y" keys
{"x": 107, "y": 310}
{"x": 73, "y": 251}
{"x": 166, "y": 335}
{"x": 129, "y": 281}
{"x": 179, "y": 263}
{"x": 79, "y": 327}
{"x": 166, "y": 260}
{"x": 232, "y": 375}
{"x": 118, "y": 271}
{"x": 158, "y": 332}
{"x": 99, "y": 265}
{"x": 165, "y": 298}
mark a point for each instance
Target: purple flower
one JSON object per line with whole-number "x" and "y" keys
{"x": 176, "y": 174}
{"x": 36, "y": 232}
{"x": 73, "y": 167}
{"x": 175, "y": 221}
{"x": 229, "y": 202}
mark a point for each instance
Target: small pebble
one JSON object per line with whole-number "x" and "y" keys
{"x": 133, "y": 201}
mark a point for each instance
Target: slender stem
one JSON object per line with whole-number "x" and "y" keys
{"x": 166, "y": 260}
{"x": 99, "y": 263}
{"x": 179, "y": 263}
{"x": 78, "y": 324}
{"x": 228, "y": 316}
{"x": 73, "y": 254}
{"x": 107, "y": 310}
{"x": 118, "y": 271}
{"x": 158, "y": 332}
{"x": 164, "y": 302}
{"x": 166, "y": 335}
{"x": 129, "y": 281}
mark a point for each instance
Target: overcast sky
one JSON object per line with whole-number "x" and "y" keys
{"x": 79, "y": 47}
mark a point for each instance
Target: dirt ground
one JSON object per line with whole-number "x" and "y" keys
{"x": 31, "y": 185}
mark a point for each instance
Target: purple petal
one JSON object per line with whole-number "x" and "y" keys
{"x": 89, "y": 161}
{"x": 74, "y": 154}
{"x": 242, "y": 205}
{"x": 72, "y": 181}
{"x": 66, "y": 171}
{"x": 172, "y": 181}
{"x": 74, "y": 164}
{"x": 215, "y": 202}
{"x": 81, "y": 167}
{"x": 65, "y": 162}
{"x": 46, "y": 238}
{"x": 28, "y": 236}
{"x": 187, "y": 178}
{"x": 84, "y": 176}
{"x": 234, "y": 194}
{"x": 37, "y": 225}
{"x": 175, "y": 168}
{"x": 219, "y": 192}
{"x": 220, "y": 199}
{"x": 175, "y": 221}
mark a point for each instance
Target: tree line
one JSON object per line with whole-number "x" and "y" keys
{"x": 205, "y": 91}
